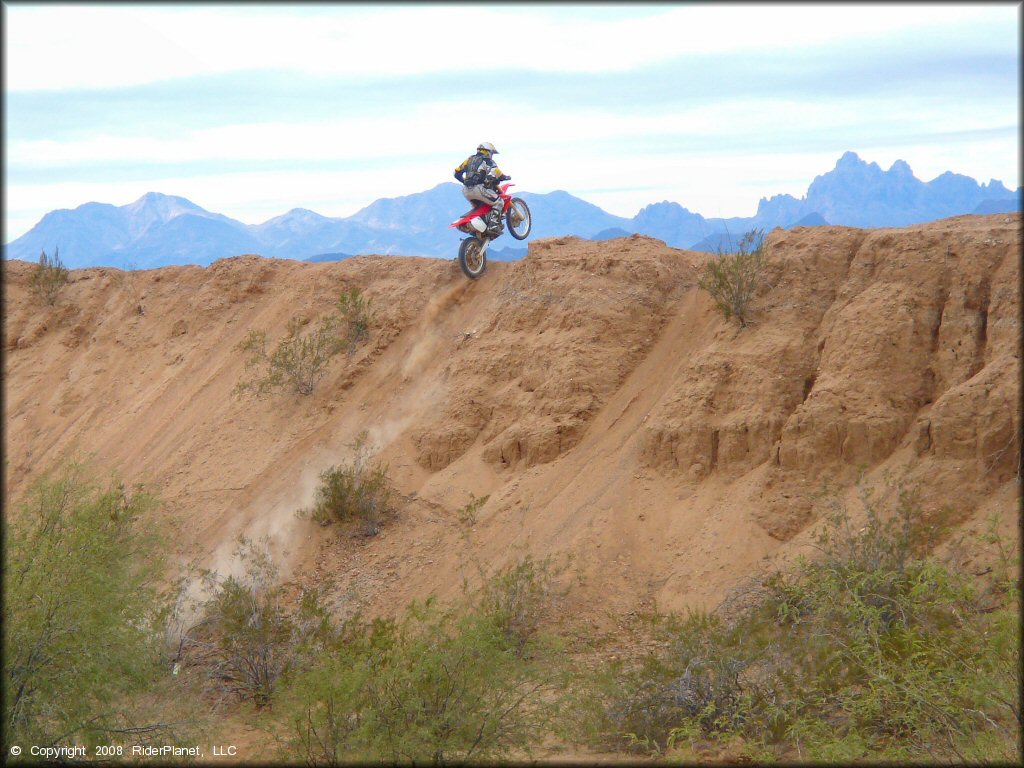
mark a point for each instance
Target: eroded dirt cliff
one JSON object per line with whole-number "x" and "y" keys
{"x": 591, "y": 391}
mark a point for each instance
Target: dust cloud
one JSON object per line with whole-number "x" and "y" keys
{"x": 429, "y": 337}
{"x": 277, "y": 521}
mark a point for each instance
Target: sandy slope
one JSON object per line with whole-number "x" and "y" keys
{"x": 615, "y": 420}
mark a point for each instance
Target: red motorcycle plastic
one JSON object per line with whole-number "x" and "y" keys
{"x": 473, "y": 250}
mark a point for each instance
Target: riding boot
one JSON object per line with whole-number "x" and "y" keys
{"x": 493, "y": 221}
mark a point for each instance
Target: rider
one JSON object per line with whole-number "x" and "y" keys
{"x": 480, "y": 175}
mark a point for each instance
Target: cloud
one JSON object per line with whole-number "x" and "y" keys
{"x": 251, "y": 111}
{"x": 714, "y": 179}
{"x": 100, "y": 46}
{"x": 440, "y": 129}
{"x": 249, "y": 196}
{"x": 970, "y": 79}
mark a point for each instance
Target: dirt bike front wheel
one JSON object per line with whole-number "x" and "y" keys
{"x": 518, "y": 218}
{"x": 472, "y": 258}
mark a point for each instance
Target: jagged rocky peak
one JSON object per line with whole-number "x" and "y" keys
{"x": 665, "y": 210}
{"x": 901, "y": 168}
{"x": 166, "y": 206}
{"x": 849, "y": 159}
{"x": 300, "y": 215}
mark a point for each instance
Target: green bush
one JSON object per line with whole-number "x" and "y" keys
{"x": 517, "y": 598}
{"x": 902, "y": 652}
{"x": 358, "y": 493}
{"x": 733, "y": 279}
{"x": 49, "y": 276}
{"x": 435, "y": 686}
{"x": 710, "y": 682}
{"x": 81, "y": 610}
{"x": 300, "y": 359}
{"x": 247, "y": 638}
{"x": 873, "y": 650}
{"x": 467, "y": 515}
{"x": 354, "y": 310}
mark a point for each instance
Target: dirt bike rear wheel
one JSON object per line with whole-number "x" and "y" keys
{"x": 518, "y": 218}
{"x": 472, "y": 258}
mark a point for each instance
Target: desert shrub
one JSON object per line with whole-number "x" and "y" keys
{"x": 127, "y": 281}
{"x": 355, "y": 313}
{"x": 872, "y": 650}
{"x": 517, "y": 598}
{"x": 81, "y": 610}
{"x": 298, "y": 361}
{"x": 357, "y": 493}
{"x": 437, "y": 685}
{"x": 467, "y": 514}
{"x": 49, "y": 276}
{"x": 733, "y": 279}
{"x": 710, "y": 681}
{"x": 902, "y": 651}
{"x": 247, "y": 639}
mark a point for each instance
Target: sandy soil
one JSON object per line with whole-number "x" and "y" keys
{"x": 615, "y": 420}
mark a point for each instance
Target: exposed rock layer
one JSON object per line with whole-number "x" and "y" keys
{"x": 590, "y": 390}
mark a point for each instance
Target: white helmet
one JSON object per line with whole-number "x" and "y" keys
{"x": 486, "y": 146}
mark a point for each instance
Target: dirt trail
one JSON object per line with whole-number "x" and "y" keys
{"x": 615, "y": 421}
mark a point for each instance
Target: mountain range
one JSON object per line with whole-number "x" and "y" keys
{"x": 159, "y": 230}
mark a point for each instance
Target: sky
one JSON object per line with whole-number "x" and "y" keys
{"x": 251, "y": 110}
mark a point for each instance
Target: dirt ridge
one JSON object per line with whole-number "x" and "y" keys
{"x": 613, "y": 418}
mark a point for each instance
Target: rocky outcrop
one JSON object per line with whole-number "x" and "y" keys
{"x": 567, "y": 325}
{"x": 590, "y": 391}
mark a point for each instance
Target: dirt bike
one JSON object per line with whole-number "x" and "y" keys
{"x": 473, "y": 250}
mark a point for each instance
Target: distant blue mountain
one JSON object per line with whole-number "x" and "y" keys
{"x": 718, "y": 242}
{"x": 810, "y": 220}
{"x": 93, "y": 229}
{"x": 1007, "y": 205}
{"x": 322, "y": 257}
{"x": 154, "y": 231}
{"x": 301, "y": 233}
{"x": 558, "y": 213}
{"x": 158, "y": 230}
{"x": 188, "y": 238}
{"x": 860, "y": 194}
{"x": 506, "y": 254}
{"x": 610, "y": 234}
{"x": 419, "y": 224}
{"x": 672, "y": 223}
